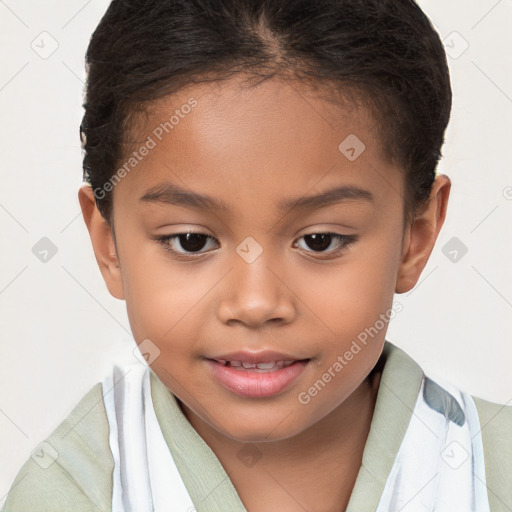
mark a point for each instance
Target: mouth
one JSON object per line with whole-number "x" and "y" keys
{"x": 256, "y": 379}
{"x": 270, "y": 366}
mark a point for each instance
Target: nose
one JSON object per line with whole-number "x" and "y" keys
{"x": 255, "y": 294}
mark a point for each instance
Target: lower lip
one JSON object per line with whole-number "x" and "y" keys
{"x": 254, "y": 384}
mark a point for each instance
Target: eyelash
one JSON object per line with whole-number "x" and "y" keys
{"x": 344, "y": 240}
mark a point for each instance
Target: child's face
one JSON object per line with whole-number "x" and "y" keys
{"x": 252, "y": 149}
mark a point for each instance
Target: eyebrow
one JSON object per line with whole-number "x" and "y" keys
{"x": 169, "y": 193}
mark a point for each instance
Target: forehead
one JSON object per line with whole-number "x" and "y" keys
{"x": 273, "y": 140}
{"x": 305, "y": 112}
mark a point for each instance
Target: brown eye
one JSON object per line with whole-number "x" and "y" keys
{"x": 321, "y": 242}
{"x": 184, "y": 243}
{"x": 192, "y": 242}
{"x": 318, "y": 241}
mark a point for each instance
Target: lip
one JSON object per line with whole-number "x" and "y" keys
{"x": 250, "y": 383}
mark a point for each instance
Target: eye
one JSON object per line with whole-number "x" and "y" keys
{"x": 194, "y": 243}
{"x": 185, "y": 243}
{"x": 320, "y": 242}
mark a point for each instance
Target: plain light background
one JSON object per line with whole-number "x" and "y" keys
{"x": 62, "y": 331}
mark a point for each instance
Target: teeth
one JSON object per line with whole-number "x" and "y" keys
{"x": 260, "y": 366}
{"x": 266, "y": 366}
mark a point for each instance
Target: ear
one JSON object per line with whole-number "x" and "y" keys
{"x": 421, "y": 235}
{"x": 102, "y": 242}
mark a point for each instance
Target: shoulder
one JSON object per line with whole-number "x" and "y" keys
{"x": 496, "y": 429}
{"x": 495, "y": 421}
{"x": 72, "y": 468}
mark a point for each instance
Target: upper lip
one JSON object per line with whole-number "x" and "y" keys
{"x": 266, "y": 356}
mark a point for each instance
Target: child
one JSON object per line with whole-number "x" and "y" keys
{"x": 261, "y": 182}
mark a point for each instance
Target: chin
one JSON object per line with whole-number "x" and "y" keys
{"x": 263, "y": 431}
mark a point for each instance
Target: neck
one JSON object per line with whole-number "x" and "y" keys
{"x": 314, "y": 470}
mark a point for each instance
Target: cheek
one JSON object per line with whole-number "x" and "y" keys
{"x": 162, "y": 297}
{"x": 350, "y": 296}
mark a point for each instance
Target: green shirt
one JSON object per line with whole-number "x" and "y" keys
{"x": 75, "y": 471}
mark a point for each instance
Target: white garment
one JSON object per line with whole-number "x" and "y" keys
{"x": 439, "y": 466}
{"x": 145, "y": 477}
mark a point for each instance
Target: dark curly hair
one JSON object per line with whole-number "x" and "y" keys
{"x": 383, "y": 52}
